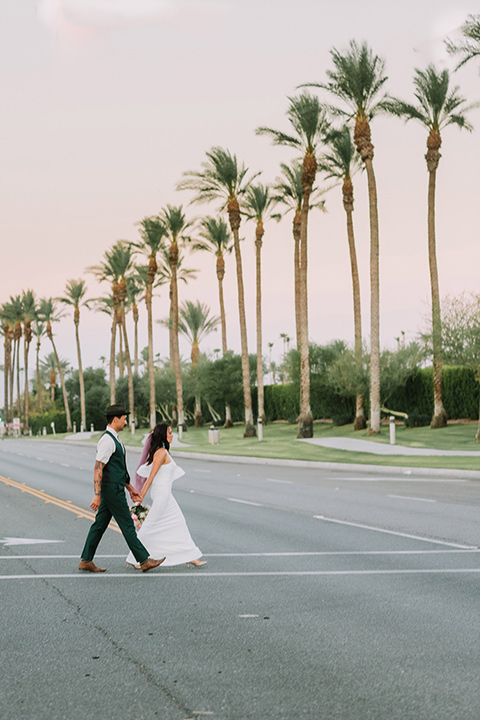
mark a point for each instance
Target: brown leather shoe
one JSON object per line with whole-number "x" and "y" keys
{"x": 90, "y": 567}
{"x": 150, "y": 564}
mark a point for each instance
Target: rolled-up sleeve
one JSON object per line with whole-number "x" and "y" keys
{"x": 105, "y": 448}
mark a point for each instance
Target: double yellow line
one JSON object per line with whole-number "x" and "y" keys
{"x": 64, "y": 504}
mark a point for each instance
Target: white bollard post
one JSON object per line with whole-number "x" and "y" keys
{"x": 180, "y": 431}
{"x": 260, "y": 429}
{"x": 392, "y": 430}
{"x": 74, "y": 428}
{"x": 92, "y": 429}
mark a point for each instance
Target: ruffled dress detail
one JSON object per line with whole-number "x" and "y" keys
{"x": 164, "y": 531}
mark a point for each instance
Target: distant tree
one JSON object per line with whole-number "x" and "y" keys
{"x": 469, "y": 47}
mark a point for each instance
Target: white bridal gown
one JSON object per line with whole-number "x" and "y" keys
{"x": 164, "y": 531}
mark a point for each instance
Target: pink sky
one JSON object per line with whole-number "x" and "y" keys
{"x": 107, "y": 102}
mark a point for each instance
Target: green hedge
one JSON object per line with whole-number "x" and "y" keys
{"x": 461, "y": 393}
{"x": 461, "y": 398}
{"x": 40, "y": 420}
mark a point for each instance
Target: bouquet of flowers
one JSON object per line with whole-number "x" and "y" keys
{"x": 139, "y": 513}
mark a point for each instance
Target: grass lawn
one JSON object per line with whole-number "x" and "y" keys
{"x": 279, "y": 441}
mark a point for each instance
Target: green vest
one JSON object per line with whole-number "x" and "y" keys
{"x": 115, "y": 471}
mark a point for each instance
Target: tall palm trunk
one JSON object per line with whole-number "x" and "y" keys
{"x": 234, "y": 217}
{"x": 173, "y": 258}
{"x": 362, "y": 139}
{"x": 12, "y": 375}
{"x": 433, "y": 157}
{"x": 151, "y": 370}
{"x": 223, "y": 319}
{"x": 62, "y": 380}
{"x": 360, "y": 422}
{"x": 170, "y": 328}
{"x": 297, "y": 223}
{"x": 27, "y": 333}
{"x": 195, "y": 356}
{"x": 305, "y": 420}
{"x": 135, "y": 323}
{"x": 223, "y": 322}
{"x": 7, "y": 352}
{"x": 18, "y": 336}
{"x": 53, "y": 382}
{"x": 121, "y": 367}
{"x": 258, "y": 248}
{"x": 112, "y": 358}
{"x": 83, "y": 414}
{"x": 39, "y": 385}
{"x": 122, "y": 294}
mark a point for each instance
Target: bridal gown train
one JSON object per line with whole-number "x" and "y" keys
{"x": 164, "y": 531}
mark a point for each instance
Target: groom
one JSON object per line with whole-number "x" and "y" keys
{"x": 110, "y": 479}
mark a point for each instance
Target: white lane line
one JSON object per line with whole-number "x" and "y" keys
{"x": 40, "y": 459}
{"x": 244, "y": 502}
{"x": 397, "y": 479}
{"x": 392, "y": 532}
{"x": 286, "y": 482}
{"x": 405, "y": 497}
{"x": 208, "y": 472}
{"x": 347, "y": 553}
{"x": 279, "y": 573}
{"x": 64, "y": 465}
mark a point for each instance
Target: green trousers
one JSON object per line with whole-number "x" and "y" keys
{"x": 113, "y": 504}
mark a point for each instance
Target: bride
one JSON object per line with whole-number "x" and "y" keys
{"x": 164, "y": 530}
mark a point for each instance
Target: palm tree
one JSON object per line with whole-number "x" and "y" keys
{"x": 108, "y": 305}
{"x": 74, "y": 297}
{"x": 47, "y": 312}
{"x": 309, "y": 123}
{"x": 152, "y": 232}
{"x": 469, "y": 47}
{"x": 195, "y": 322}
{"x": 117, "y": 264}
{"x": 222, "y": 178}
{"x": 340, "y": 162}
{"x": 217, "y": 239}
{"x": 29, "y": 315}
{"x": 7, "y": 331}
{"x": 437, "y": 107}
{"x": 289, "y": 193}
{"x": 48, "y": 371}
{"x": 356, "y": 80}
{"x": 176, "y": 227}
{"x": 259, "y": 203}
{"x": 184, "y": 274}
{"x": 133, "y": 292}
{"x": 39, "y": 332}
{"x": 14, "y": 312}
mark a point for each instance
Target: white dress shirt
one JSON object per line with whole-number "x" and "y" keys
{"x": 106, "y": 445}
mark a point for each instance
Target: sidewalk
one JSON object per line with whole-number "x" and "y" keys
{"x": 353, "y": 445}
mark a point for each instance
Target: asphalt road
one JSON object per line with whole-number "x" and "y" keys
{"x": 327, "y": 595}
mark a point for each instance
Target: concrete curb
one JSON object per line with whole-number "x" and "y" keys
{"x": 275, "y": 462}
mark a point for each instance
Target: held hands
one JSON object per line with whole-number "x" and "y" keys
{"x": 136, "y": 497}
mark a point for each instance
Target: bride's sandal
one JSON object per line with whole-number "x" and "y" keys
{"x": 197, "y": 563}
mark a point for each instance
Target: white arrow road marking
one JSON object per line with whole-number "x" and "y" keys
{"x": 26, "y": 541}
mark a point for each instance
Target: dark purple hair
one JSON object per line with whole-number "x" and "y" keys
{"x": 159, "y": 440}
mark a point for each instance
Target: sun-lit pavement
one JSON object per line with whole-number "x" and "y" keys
{"x": 295, "y": 615}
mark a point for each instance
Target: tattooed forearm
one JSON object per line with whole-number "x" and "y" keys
{"x": 97, "y": 476}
